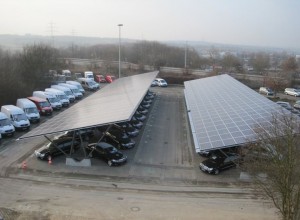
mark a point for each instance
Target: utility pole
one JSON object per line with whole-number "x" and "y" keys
{"x": 185, "y": 55}
{"x": 120, "y": 25}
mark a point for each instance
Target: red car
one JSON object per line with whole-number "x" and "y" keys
{"x": 110, "y": 78}
{"x": 100, "y": 79}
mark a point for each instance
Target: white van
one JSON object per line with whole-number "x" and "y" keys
{"x": 17, "y": 117}
{"x": 66, "y": 73}
{"x": 61, "y": 96}
{"x": 54, "y": 102}
{"x": 29, "y": 108}
{"x": 66, "y": 90}
{"x": 88, "y": 84}
{"x": 74, "y": 89}
{"x": 89, "y": 74}
{"x": 79, "y": 87}
{"x": 6, "y": 127}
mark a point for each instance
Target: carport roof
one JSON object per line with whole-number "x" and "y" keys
{"x": 224, "y": 112}
{"x": 115, "y": 102}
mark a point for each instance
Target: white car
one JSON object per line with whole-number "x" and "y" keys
{"x": 266, "y": 91}
{"x": 292, "y": 91}
{"x": 160, "y": 82}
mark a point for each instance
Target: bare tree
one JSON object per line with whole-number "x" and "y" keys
{"x": 277, "y": 82}
{"x": 273, "y": 163}
{"x": 260, "y": 62}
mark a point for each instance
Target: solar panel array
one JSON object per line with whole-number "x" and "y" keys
{"x": 114, "y": 103}
{"x": 224, "y": 112}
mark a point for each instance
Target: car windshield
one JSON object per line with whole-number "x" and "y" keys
{"x": 4, "y": 122}
{"x": 19, "y": 117}
{"x": 30, "y": 110}
{"x": 52, "y": 100}
{"x": 111, "y": 150}
{"x": 75, "y": 90}
{"x": 62, "y": 97}
{"x": 68, "y": 93}
{"x": 44, "y": 104}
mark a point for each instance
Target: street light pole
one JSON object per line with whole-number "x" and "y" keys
{"x": 120, "y": 25}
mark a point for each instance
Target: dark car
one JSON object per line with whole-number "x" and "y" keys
{"x": 119, "y": 139}
{"x": 63, "y": 144}
{"x": 136, "y": 123}
{"x": 147, "y": 100}
{"x": 139, "y": 116}
{"x": 84, "y": 133}
{"x": 142, "y": 110}
{"x": 129, "y": 129}
{"x": 219, "y": 162}
{"x": 145, "y": 105}
{"x": 106, "y": 152}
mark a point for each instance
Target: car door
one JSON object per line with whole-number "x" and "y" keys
{"x": 229, "y": 162}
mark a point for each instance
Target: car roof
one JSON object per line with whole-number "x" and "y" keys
{"x": 104, "y": 145}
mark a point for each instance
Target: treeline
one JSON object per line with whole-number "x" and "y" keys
{"x": 23, "y": 72}
{"x": 142, "y": 53}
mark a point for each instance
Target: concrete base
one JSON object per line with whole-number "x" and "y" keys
{"x": 78, "y": 163}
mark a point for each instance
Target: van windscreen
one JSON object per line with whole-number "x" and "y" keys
{"x": 4, "y": 122}
{"x": 19, "y": 117}
{"x": 30, "y": 110}
{"x": 44, "y": 104}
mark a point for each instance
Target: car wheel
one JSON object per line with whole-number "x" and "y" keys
{"x": 109, "y": 163}
{"x": 217, "y": 171}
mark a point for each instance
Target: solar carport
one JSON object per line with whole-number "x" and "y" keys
{"x": 116, "y": 102}
{"x": 223, "y": 112}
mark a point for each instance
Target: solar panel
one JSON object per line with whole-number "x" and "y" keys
{"x": 224, "y": 112}
{"x": 116, "y": 102}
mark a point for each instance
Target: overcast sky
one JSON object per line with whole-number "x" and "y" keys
{"x": 245, "y": 22}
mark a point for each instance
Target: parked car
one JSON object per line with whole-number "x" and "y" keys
{"x": 6, "y": 126}
{"x": 285, "y": 105}
{"x": 262, "y": 152}
{"x": 295, "y": 111}
{"x": 142, "y": 110}
{"x": 161, "y": 82}
{"x": 292, "y": 91}
{"x": 145, "y": 105}
{"x": 266, "y": 91}
{"x": 136, "y": 123}
{"x": 17, "y": 116}
{"x": 154, "y": 83}
{"x": 129, "y": 129}
{"x": 219, "y": 162}
{"x": 100, "y": 79}
{"x": 63, "y": 145}
{"x": 85, "y": 133}
{"x": 42, "y": 105}
{"x": 89, "y": 84}
{"x": 29, "y": 108}
{"x": 147, "y": 100}
{"x": 117, "y": 137}
{"x": 110, "y": 78}
{"x": 297, "y": 104}
{"x": 106, "y": 152}
{"x": 140, "y": 116}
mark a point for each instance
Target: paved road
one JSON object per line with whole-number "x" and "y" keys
{"x": 160, "y": 181}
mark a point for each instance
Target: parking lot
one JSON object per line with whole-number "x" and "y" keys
{"x": 164, "y": 149}
{"x": 163, "y": 157}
